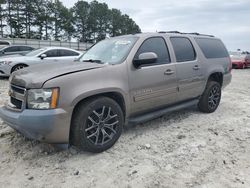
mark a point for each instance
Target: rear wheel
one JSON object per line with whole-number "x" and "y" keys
{"x": 97, "y": 124}
{"x": 211, "y": 97}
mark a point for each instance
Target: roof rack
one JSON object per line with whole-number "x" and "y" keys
{"x": 194, "y": 33}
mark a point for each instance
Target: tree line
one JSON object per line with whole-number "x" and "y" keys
{"x": 51, "y": 20}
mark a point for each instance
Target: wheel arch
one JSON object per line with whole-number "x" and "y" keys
{"x": 216, "y": 76}
{"x": 18, "y": 64}
{"x": 116, "y": 96}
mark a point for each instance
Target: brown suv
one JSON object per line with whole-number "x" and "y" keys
{"x": 126, "y": 79}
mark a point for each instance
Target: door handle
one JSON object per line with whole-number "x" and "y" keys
{"x": 196, "y": 67}
{"x": 169, "y": 72}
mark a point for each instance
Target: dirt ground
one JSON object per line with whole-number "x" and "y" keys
{"x": 184, "y": 149}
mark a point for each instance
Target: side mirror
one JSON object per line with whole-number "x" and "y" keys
{"x": 145, "y": 59}
{"x": 43, "y": 56}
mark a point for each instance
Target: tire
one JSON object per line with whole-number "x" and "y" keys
{"x": 211, "y": 97}
{"x": 243, "y": 66}
{"x": 18, "y": 67}
{"x": 97, "y": 124}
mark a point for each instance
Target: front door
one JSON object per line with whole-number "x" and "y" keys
{"x": 153, "y": 86}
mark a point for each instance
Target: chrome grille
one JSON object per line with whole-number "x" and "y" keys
{"x": 17, "y": 97}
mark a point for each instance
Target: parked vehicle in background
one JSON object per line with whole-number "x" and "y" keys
{"x": 14, "y": 49}
{"x": 4, "y": 43}
{"x": 126, "y": 79}
{"x": 35, "y": 43}
{"x": 43, "y": 55}
{"x": 240, "y": 60}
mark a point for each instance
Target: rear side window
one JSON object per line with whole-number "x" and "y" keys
{"x": 25, "y": 48}
{"x": 212, "y": 48}
{"x": 183, "y": 48}
{"x": 156, "y": 45}
{"x": 12, "y": 49}
{"x": 67, "y": 53}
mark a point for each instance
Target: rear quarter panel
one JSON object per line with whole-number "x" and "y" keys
{"x": 213, "y": 65}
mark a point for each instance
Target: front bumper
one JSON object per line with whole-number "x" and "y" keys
{"x": 237, "y": 65}
{"x": 51, "y": 126}
{"x": 5, "y": 70}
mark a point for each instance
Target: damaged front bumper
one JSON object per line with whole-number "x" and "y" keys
{"x": 51, "y": 126}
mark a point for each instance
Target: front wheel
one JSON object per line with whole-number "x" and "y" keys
{"x": 18, "y": 67}
{"x": 211, "y": 97}
{"x": 97, "y": 124}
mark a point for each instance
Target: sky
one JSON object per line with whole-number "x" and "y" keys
{"x": 226, "y": 19}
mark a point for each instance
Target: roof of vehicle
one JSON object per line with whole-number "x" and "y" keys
{"x": 172, "y": 33}
{"x": 58, "y": 48}
{"x": 7, "y": 46}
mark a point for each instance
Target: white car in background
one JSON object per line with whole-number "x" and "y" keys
{"x": 42, "y": 55}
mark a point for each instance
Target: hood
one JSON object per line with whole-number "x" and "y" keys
{"x": 15, "y": 58}
{"x": 36, "y": 75}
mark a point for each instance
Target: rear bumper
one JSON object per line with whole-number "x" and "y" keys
{"x": 227, "y": 78}
{"x": 50, "y": 126}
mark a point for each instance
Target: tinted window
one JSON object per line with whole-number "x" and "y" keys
{"x": 4, "y": 43}
{"x": 12, "y": 49}
{"x": 67, "y": 53}
{"x": 183, "y": 48}
{"x": 25, "y": 48}
{"x": 212, "y": 48}
{"x": 52, "y": 53}
{"x": 156, "y": 45}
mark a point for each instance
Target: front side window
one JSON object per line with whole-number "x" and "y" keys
{"x": 156, "y": 45}
{"x": 183, "y": 48}
{"x": 112, "y": 51}
{"x": 52, "y": 53}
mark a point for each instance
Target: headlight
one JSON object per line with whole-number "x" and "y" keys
{"x": 43, "y": 98}
{"x": 5, "y": 62}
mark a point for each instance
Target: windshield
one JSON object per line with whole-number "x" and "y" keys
{"x": 112, "y": 51}
{"x": 35, "y": 52}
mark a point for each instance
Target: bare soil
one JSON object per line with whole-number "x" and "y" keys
{"x": 183, "y": 149}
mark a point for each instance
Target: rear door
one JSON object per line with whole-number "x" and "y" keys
{"x": 189, "y": 69}
{"x": 154, "y": 85}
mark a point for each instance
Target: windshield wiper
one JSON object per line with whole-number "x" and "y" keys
{"x": 93, "y": 61}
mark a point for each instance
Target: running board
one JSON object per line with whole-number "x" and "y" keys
{"x": 158, "y": 113}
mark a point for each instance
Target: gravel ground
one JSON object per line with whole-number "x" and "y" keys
{"x": 184, "y": 149}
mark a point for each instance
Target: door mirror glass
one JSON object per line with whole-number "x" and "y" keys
{"x": 145, "y": 59}
{"x": 43, "y": 56}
